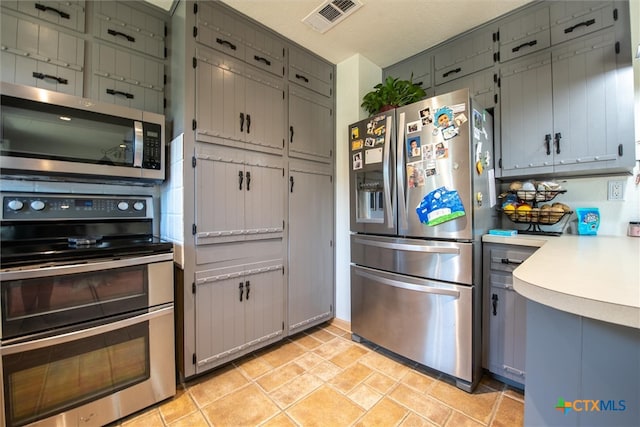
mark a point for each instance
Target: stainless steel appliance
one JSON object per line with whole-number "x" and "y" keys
{"x": 86, "y": 314}
{"x": 422, "y": 187}
{"x": 45, "y": 132}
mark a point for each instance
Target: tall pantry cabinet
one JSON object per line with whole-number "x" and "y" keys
{"x": 250, "y": 185}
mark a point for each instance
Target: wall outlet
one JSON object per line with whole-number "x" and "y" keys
{"x": 616, "y": 190}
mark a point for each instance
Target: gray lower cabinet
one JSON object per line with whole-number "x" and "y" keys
{"x": 238, "y": 309}
{"x": 504, "y": 312}
{"x": 311, "y": 230}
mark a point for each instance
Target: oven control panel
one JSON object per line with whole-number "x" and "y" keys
{"x": 38, "y": 206}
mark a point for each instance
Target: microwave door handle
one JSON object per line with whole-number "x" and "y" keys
{"x": 138, "y": 144}
{"x": 400, "y": 178}
{"x": 386, "y": 175}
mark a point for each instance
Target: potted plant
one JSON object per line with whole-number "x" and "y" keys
{"x": 390, "y": 94}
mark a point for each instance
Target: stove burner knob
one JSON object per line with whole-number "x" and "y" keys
{"x": 123, "y": 206}
{"x": 15, "y": 205}
{"x": 138, "y": 206}
{"x": 37, "y": 205}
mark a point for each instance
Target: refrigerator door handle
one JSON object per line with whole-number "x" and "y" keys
{"x": 400, "y": 179}
{"x": 386, "y": 176}
{"x": 408, "y": 247}
{"x": 409, "y": 286}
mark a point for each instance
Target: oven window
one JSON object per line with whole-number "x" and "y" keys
{"x": 33, "y": 305}
{"x": 45, "y": 381}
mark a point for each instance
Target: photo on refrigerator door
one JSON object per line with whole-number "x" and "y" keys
{"x": 413, "y": 148}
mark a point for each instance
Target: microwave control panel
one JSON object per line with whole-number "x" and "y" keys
{"x": 151, "y": 153}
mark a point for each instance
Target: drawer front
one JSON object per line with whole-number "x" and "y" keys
{"x": 577, "y": 18}
{"x": 416, "y": 69}
{"x": 463, "y": 57}
{"x": 525, "y": 34}
{"x": 220, "y": 30}
{"x": 508, "y": 259}
{"x": 310, "y": 72}
{"x": 69, "y": 14}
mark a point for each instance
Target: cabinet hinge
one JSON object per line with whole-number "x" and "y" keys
{"x": 500, "y": 163}
{"x": 495, "y": 98}
{"x": 164, "y": 103}
{"x": 194, "y": 62}
{"x": 194, "y": 124}
{"x": 193, "y": 359}
{"x": 282, "y": 94}
{"x": 496, "y": 57}
{"x": 330, "y": 153}
{"x": 283, "y": 229}
{"x": 330, "y": 76}
{"x": 330, "y": 243}
{"x": 331, "y": 179}
{"x": 193, "y": 161}
{"x": 331, "y": 92}
{"x": 617, "y": 47}
{"x": 283, "y": 168}
{"x": 195, "y": 31}
{"x": 166, "y": 31}
{"x": 193, "y": 288}
{"x": 495, "y": 78}
{"x": 165, "y": 79}
{"x": 195, "y": 8}
{"x": 283, "y": 326}
{"x": 331, "y": 308}
{"x": 165, "y": 52}
{"x": 615, "y": 14}
{"x": 194, "y": 229}
{"x": 283, "y": 147}
{"x": 283, "y": 270}
{"x": 620, "y": 151}
{"x": 283, "y": 53}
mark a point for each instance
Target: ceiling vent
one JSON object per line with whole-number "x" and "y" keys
{"x": 330, "y": 13}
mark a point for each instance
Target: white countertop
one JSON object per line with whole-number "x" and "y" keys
{"x": 591, "y": 276}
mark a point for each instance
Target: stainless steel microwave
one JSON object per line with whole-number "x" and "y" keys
{"x": 51, "y": 133}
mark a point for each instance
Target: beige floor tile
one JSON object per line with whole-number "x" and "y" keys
{"x": 365, "y": 396}
{"x": 489, "y": 381}
{"x": 332, "y": 348}
{"x": 348, "y": 379}
{"x": 478, "y": 405}
{"x": 253, "y": 366}
{"x": 195, "y": 419}
{"x": 277, "y": 377}
{"x": 178, "y": 407}
{"x": 421, "y": 404}
{"x": 510, "y": 413}
{"x": 149, "y": 418}
{"x": 306, "y": 341}
{"x": 380, "y": 382}
{"x": 282, "y": 354}
{"x": 325, "y": 407}
{"x": 326, "y": 370}
{"x": 349, "y": 355}
{"x": 309, "y": 360}
{"x": 458, "y": 419}
{"x": 247, "y": 406}
{"x": 384, "y": 364}
{"x": 280, "y": 420}
{"x": 321, "y": 334}
{"x": 385, "y": 413}
{"x": 418, "y": 381}
{"x": 514, "y": 393}
{"x": 295, "y": 389}
{"x": 220, "y": 383}
{"x": 335, "y": 330}
{"x": 415, "y": 420}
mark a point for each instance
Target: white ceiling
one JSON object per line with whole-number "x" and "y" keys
{"x": 383, "y": 31}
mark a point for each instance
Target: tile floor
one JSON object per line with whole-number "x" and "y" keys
{"x": 322, "y": 378}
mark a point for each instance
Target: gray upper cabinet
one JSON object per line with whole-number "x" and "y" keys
{"x": 239, "y": 195}
{"x": 310, "y": 125}
{"x": 126, "y": 26}
{"x": 311, "y": 291}
{"x": 69, "y": 14}
{"x": 524, "y": 33}
{"x": 463, "y": 56}
{"x": 482, "y": 87}
{"x": 38, "y": 55}
{"x": 310, "y": 72}
{"x": 247, "y": 109}
{"x": 571, "y": 19}
{"x": 227, "y": 33}
{"x": 417, "y": 69}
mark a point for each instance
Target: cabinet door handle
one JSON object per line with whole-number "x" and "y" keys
{"x": 494, "y": 303}
{"x": 454, "y": 71}
{"x": 261, "y": 59}
{"x": 547, "y": 143}
{"x": 41, "y": 76}
{"x": 248, "y": 123}
{"x": 581, "y": 24}
{"x": 558, "y": 137}
{"x": 241, "y": 122}
{"x": 248, "y": 289}
{"x": 44, "y": 8}
{"x": 531, "y": 43}
{"x": 226, "y": 43}
{"x": 291, "y": 182}
{"x": 240, "y": 178}
{"x": 118, "y": 33}
{"x": 303, "y": 78}
{"x": 291, "y": 134}
{"x": 248, "y": 183}
{"x": 117, "y": 92}
{"x": 241, "y": 288}
{"x": 511, "y": 261}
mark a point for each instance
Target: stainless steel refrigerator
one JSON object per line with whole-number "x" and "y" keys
{"x": 421, "y": 193}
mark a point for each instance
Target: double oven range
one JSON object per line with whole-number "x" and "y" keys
{"x": 86, "y": 312}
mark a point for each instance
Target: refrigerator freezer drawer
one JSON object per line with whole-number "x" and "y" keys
{"x": 425, "y": 321}
{"x": 448, "y": 261}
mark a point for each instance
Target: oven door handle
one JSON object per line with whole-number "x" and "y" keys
{"x": 61, "y": 270}
{"x": 6, "y": 350}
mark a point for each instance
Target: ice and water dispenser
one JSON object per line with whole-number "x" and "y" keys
{"x": 369, "y": 197}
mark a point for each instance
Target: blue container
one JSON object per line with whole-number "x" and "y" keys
{"x": 588, "y": 220}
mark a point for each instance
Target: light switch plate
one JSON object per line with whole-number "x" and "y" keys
{"x": 616, "y": 190}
